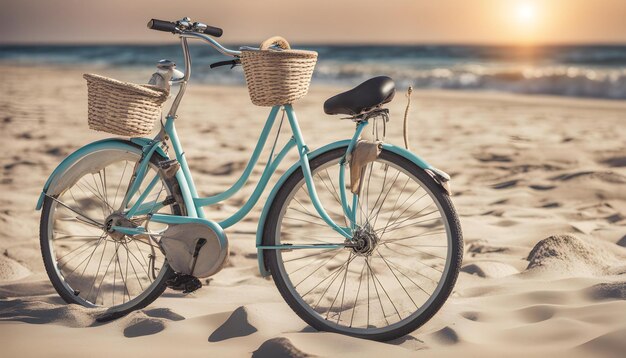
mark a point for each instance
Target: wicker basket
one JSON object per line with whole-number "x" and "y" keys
{"x": 277, "y": 77}
{"x": 122, "y": 108}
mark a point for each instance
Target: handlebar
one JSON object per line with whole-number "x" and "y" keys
{"x": 187, "y": 29}
{"x": 161, "y": 25}
{"x": 184, "y": 25}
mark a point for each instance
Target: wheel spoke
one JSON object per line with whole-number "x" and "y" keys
{"x": 425, "y": 233}
{"x": 117, "y": 190}
{"x": 93, "y": 221}
{"x": 95, "y": 278}
{"x": 343, "y": 281}
{"x": 337, "y": 273}
{"x": 375, "y": 218}
{"x": 356, "y": 299}
{"x": 414, "y": 216}
{"x": 133, "y": 266}
{"x": 319, "y": 267}
{"x": 397, "y": 279}
{"x": 386, "y": 294}
{"x": 402, "y": 273}
{"x": 371, "y": 273}
{"x": 88, "y": 259}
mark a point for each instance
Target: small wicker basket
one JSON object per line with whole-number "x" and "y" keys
{"x": 277, "y": 77}
{"x": 122, "y": 108}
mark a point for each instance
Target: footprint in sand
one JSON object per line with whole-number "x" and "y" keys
{"x": 493, "y": 157}
{"x": 489, "y": 269}
{"x": 604, "y": 176}
{"x": 615, "y": 162}
{"x": 471, "y": 316}
{"x": 482, "y": 247}
{"x": 608, "y": 291}
{"x": 446, "y": 336}
{"x": 506, "y": 184}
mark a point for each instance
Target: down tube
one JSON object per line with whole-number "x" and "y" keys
{"x": 180, "y": 156}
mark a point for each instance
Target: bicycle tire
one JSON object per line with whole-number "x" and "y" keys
{"x": 273, "y": 261}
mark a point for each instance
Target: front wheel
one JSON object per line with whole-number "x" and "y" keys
{"x": 402, "y": 270}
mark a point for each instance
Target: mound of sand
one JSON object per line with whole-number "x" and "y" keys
{"x": 41, "y": 312}
{"x": 11, "y": 270}
{"x": 148, "y": 322}
{"x": 279, "y": 347}
{"x": 249, "y": 319}
{"x": 570, "y": 255}
{"x": 237, "y": 325}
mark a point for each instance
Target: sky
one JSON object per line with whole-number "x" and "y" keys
{"x": 321, "y": 21}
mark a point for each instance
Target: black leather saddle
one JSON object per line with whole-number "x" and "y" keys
{"x": 362, "y": 98}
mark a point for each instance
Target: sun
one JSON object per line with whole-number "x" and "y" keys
{"x": 526, "y": 13}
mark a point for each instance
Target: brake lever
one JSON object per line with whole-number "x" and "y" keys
{"x": 232, "y": 63}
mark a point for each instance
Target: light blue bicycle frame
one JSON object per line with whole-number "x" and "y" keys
{"x": 194, "y": 203}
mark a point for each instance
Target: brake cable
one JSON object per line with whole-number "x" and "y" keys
{"x": 280, "y": 126}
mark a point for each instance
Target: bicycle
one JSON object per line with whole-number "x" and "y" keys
{"x": 376, "y": 262}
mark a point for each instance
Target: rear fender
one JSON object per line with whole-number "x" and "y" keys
{"x": 70, "y": 160}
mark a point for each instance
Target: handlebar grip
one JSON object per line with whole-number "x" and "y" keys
{"x": 161, "y": 25}
{"x": 213, "y": 31}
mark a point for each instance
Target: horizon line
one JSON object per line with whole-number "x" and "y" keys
{"x": 312, "y": 43}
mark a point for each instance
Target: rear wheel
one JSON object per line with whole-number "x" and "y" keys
{"x": 89, "y": 265}
{"x": 400, "y": 266}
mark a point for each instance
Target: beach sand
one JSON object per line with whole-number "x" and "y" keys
{"x": 539, "y": 184}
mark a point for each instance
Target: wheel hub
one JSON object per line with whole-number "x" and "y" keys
{"x": 364, "y": 242}
{"x": 117, "y": 219}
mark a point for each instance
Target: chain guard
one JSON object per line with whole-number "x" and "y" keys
{"x": 186, "y": 256}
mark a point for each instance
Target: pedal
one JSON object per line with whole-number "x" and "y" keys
{"x": 183, "y": 282}
{"x": 169, "y": 167}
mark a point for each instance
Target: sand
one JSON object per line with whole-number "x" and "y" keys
{"x": 539, "y": 184}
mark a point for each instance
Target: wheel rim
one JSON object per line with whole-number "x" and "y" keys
{"x": 337, "y": 297}
{"x": 100, "y": 268}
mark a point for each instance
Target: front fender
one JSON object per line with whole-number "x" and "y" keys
{"x": 439, "y": 176}
{"x": 118, "y": 143}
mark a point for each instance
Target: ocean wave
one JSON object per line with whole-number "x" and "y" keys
{"x": 553, "y": 80}
{"x": 581, "y": 71}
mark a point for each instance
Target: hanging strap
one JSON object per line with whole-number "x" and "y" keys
{"x": 405, "y": 127}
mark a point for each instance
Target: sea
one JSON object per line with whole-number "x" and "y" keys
{"x": 596, "y": 71}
